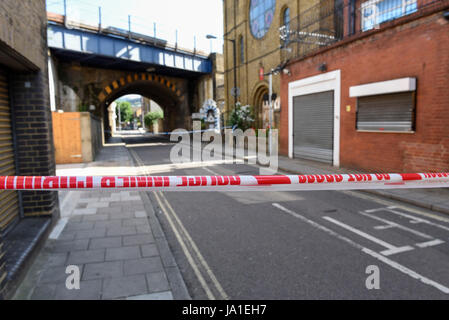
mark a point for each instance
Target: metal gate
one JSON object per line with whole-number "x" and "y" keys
{"x": 9, "y": 204}
{"x": 313, "y": 126}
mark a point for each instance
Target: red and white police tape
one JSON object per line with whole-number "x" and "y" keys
{"x": 230, "y": 183}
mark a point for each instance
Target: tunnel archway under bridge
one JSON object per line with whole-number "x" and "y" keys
{"x": 170, "y": 96}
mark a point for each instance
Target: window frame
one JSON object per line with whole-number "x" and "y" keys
{"x": 373, "y": 21}
{"x": 260, "y": 17}
{"x": 284, "y": 12}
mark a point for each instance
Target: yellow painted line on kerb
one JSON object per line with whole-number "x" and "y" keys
{"x": 197, "y": 251}
{"x": 192, "y": 263}
{"x": 168, "y": 210}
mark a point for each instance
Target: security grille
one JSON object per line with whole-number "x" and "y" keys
{"x": 313, "y": 127}
{"x": 386, "y": 112}
{"x": 9, "y": 206}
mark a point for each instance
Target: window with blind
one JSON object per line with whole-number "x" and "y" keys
{"x": 386, "y": 112}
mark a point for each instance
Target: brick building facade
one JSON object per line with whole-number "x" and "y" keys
{"x": 26, "y": 145}
{"x": 388, "y": 103}
{"x": 255, "y": 51}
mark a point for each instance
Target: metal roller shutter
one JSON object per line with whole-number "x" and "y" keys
{"x": 9, "y": 204}
{"x": 313, "y": 126}
{"x": 389, "y": 112}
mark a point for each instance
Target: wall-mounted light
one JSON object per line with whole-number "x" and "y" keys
{"x": 286, "y": 72}
{"x": 151, "y": 69}
{"x": 322, "y": 67}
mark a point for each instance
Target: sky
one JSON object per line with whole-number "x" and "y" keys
{"x": 189, "y": 17}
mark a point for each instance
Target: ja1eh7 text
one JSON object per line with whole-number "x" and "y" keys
{"x": 229, "y": 310}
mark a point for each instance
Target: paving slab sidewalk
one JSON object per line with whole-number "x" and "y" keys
{"x": 113, "y": 237}
{"x": 436, "y": 199}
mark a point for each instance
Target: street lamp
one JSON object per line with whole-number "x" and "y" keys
{"x": 209, "y": 36}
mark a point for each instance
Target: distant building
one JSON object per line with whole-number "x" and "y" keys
{"x": 26, "y": 141}
{"x": 367, "y": 85}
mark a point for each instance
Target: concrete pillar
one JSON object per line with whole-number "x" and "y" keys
{"x": 112, "y": 116}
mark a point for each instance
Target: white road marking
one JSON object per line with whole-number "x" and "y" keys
{"x": 416, "y": 219}
{"x": 370, "y": 252}
{"x": 150, "y": 144}
{"x": 389, "y": 226}
{"x": 373, "y": 210}
{"x": 158, "y": 168}
{"x": 429, "y": 243}
{"x": 396, "y": 225}
{"x": 390, "y": 248}
{"x": 392, "y": 204}
{"x": 56, "y": 232}
{"x": 210, "y": 171}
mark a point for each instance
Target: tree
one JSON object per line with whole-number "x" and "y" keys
{"x": 126, "y": 112}
{"x": 151, "y": 117}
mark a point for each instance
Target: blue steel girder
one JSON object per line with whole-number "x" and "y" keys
{"x": 108, "y": 45}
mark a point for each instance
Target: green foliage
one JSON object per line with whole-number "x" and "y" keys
{"x": 126, "y": 112}
{"x": 241, "y": 117}
{"x": 151, "y": 117}
{"x": 83, "y": 108}
{"x": 203, "y": 124}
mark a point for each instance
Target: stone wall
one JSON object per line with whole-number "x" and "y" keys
{"x": 23, "y": 26}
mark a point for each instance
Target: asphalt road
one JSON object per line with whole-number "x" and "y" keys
{"x": 296, "y": 245}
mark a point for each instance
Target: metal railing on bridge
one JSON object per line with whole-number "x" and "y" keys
{"x": 331, "y": 21}
{"x": 80, "y": 13}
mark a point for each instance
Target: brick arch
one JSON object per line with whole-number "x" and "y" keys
{"x": 125, "y": 81}
{"x": 164, "y": 91}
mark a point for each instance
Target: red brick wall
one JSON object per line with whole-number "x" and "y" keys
{"x": 416, "y": 49}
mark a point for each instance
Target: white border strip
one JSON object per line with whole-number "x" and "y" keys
{"x": 316, "y": 84}
{"x": 383, "y": 87}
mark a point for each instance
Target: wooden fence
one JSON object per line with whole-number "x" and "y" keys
{"x": 77, "y": 136}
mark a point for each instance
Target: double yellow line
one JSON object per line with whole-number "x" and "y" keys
{"x": 203, "y": 272}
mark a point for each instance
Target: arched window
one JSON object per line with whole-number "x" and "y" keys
{"x": 242, "y": 49}
{"x": 286, "y": 17}
{"x": 285, "y": 26}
